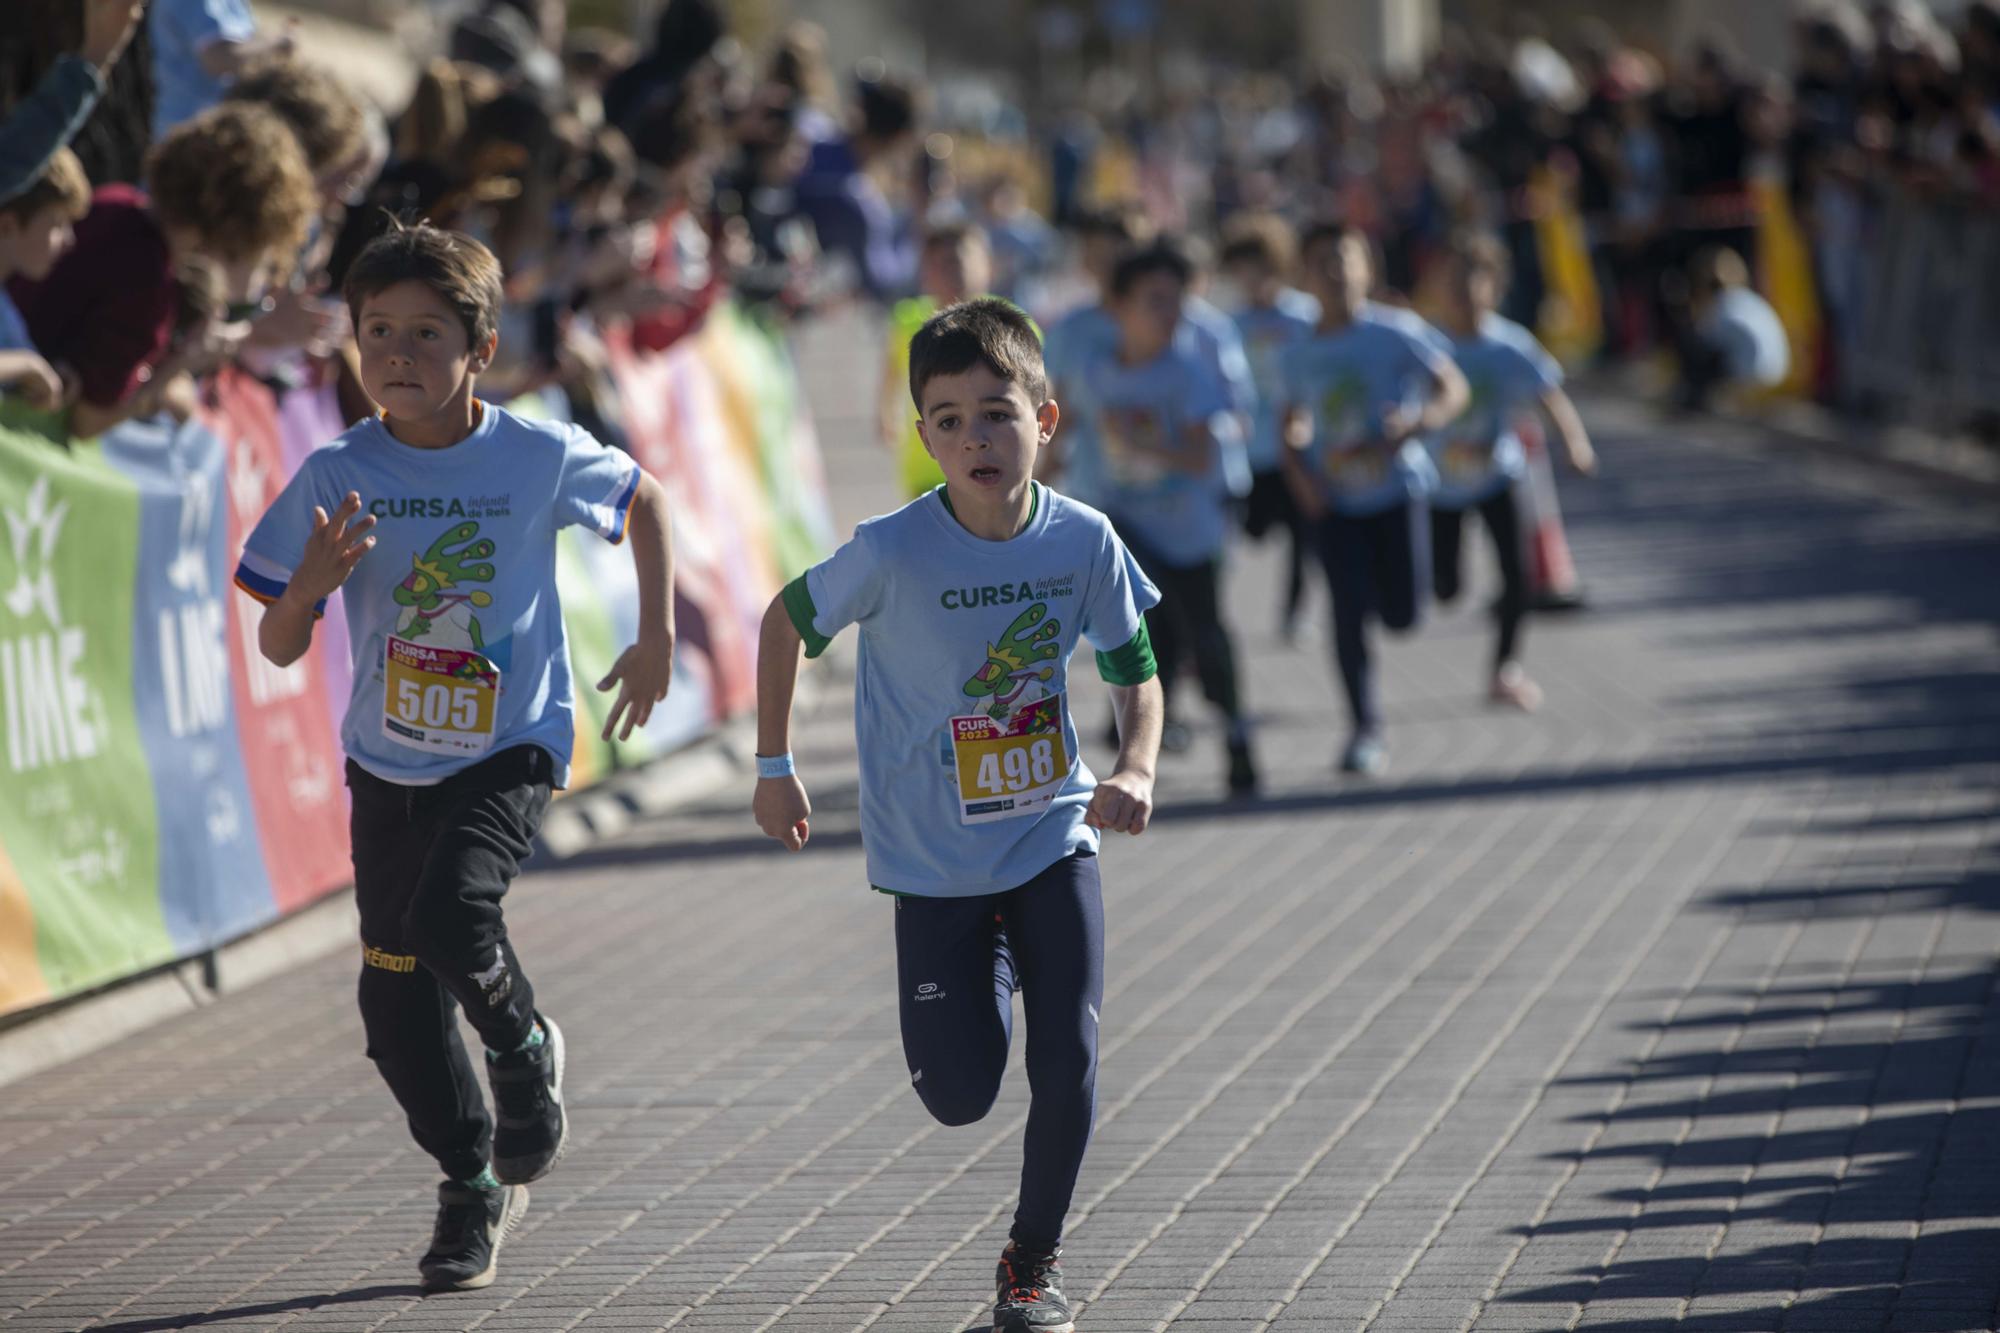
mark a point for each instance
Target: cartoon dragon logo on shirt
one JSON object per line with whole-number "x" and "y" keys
{"x": 1015, "y": 686}
{"x": 439, "y": 612}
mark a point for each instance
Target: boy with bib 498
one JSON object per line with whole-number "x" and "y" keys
{"x": 439, "y": 517}
{"x": 977, "y": 812}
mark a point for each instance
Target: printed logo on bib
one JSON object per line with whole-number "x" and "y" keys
{"x": 1134, "y": 444}
{"x": 440, "y": 689}
{"x": 1357, "y": 469}
{"x": 1011, "y": 758}
{"x": 1466, "y": 461}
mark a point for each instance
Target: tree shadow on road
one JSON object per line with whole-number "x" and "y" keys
{"x": 298, "y": 1304}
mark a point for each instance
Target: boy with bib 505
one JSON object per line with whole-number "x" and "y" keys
{"x": 439, "y": 517}
{"x": 976, "y": 812}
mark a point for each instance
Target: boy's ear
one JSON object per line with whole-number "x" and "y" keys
{"x": 1046, "y": 418}
{"x": 924, "y": 435}
{"x": 482, "y": 356}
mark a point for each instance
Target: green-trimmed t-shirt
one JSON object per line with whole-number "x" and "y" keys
{"x": 972, "y": 781}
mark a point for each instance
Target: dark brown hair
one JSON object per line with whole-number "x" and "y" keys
{"x": 987, "y": 331}
{"x": 463, "y": 273}
{"x": 62, "y": 182}
{"x": 1259, "y": 238}
{"x": 234, "y": 174}
{"x": 1162, "y": 256}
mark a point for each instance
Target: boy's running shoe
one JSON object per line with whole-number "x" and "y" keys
{"x": 1366, "y": 755}
{"x": 530, "y": 1129}
{"x": 1242, "y": 770}
{"x": 1513, "y": 688}
{"x": 1030, "y": 1298}
{"x": 471, "y": 1224}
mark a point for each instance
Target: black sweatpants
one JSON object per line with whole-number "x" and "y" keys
{"x": 1374, "y": 564}
{"x": 430, "y": 867}
{"x": 959, "y": 962}
{"x": 1188, "y": 621}
{"x": 1502, "y": 519}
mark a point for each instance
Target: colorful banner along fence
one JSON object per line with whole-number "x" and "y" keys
{"x": 164, "y": 789}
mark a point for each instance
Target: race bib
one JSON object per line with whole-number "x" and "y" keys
{"x": 1010, "y": 767}
{"x": 444, "y": 700}
{"x": 1132, "y": 442}
{"x": 1356, "y": 469}
{"x": 1467, "y": 461}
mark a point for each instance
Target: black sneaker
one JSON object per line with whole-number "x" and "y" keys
{"x": 530, "y": 1130}
{"x": 1030, "y": 1299}
{"x": 471, "y": 1224}
{"x": 1242, "y": 770}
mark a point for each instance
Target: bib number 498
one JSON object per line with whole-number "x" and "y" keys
{"x": 438, "y": 705}
{"x": 1018, "y": 769}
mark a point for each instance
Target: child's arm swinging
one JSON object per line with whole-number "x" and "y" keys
{"x": 780, "y": 805}
{"x": 334, "y": 549}
{"x": 645, "y": 670}
{"x": 1123, "y": 802}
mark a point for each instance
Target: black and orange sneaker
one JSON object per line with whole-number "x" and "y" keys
{"x": 1030, "y": 1298}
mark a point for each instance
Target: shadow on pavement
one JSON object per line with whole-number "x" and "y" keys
{"x": 321, "y": 1301}
{"x": 1887, "y": 1181}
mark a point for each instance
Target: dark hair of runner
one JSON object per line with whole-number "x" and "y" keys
{"x": 1162, "y": 256}
{"x": 458, "y": 268}
{"x": 987, "y": 331}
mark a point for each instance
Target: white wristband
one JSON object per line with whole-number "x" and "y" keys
{"x": 775, "y": 765}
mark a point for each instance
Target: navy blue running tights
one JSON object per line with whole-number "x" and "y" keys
{"x": 959, "y": 962}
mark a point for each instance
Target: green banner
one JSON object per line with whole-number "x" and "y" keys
{"x": 76, "y": 798}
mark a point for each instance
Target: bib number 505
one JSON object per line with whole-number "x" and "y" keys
{"x": 1018, "y": 769}
{"x": 438, "y": 705}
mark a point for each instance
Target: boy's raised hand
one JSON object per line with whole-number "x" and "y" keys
{"x": 642, "y": 674}
{"x": 335, "y": 547}
{"x": 1122, "y": 803}
{"x": 782, "y": 810}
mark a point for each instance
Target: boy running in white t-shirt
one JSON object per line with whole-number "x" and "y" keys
{"x": 977, "y": 811}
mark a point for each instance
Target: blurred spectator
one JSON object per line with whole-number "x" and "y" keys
{"x": 1736, "y": 339}
{"x": 144, "y": 298}
{"x": 840, "y": 191}
{"x": 36, "y": 227}
{"x": 687, "y": 32}
{"x": 199, "y": 46}
{"x": 34, "y": 131}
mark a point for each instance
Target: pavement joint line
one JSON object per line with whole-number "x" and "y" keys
{"x": 1357, "y": 958}
{"x": 1213, "y": 1024}
{"x": 1496, "y": 957}
{"x": 1578, "y": 1034}
{"x": 1219, "y": 906}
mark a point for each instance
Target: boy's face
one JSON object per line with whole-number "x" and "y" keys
{"x": 1148, "y": 313}
{"x": 956, "y": 272}
{"x": 415, "y": 355}
{"x": 983, "y": 432}
{"x": 1339, "y": 271}
{"x": 31, "y": 247}
{"x": 1252, "y": 279}
{"x": 1474, "y": 288}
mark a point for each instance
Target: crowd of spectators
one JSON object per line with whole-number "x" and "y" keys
{"x": 222, "y": 181}
{"x": 626, "y": 188}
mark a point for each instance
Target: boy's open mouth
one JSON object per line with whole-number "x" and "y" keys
{"x": 986, "y": 472}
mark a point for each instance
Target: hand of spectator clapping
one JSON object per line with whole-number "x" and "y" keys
{"x": 311, "y": 321}
{"x": 108, "y": 26}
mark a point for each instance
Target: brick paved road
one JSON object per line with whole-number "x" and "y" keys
{"x": 1673, "y": 1004}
